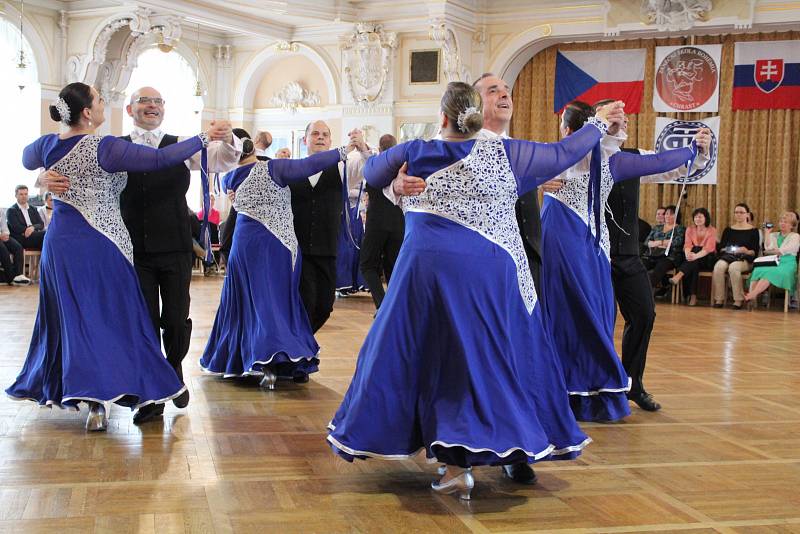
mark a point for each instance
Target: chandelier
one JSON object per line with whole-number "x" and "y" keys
{"x": 21, "y": 60}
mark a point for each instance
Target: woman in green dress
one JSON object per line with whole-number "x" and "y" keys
{"x": 785, "y": 244}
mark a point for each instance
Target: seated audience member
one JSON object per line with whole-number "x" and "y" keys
{"x": 698, "y": 249}
{"x": 24, "y": 222}
{"x": 46, "y": 211}
{"x": 11, "y": 256}
{"x": 665, "y": 250}
{"x": 660, "y": 215}
{"x": 283, "y": 153}
{"x": 213, "y": 220}
{"x": 737, "y": 248}
{"x": 784, "y": 243}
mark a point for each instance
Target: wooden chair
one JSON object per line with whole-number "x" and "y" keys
{"x": 31, "y": 264}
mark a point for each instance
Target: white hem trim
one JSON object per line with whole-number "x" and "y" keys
{"x": 549, "y": 451}
{"x": 251, "y": 372}
{"x": 603, "y": 390}
{"x": 51, "y": 403}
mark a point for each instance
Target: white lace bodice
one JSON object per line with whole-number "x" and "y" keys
{"x": 260, "y": 198}
{"x": 479, "y": 192}
{"x": 95, "y": 192}
{"x": 574, "y": 194}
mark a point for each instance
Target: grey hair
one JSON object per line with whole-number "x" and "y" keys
{"x": 483, "y": 76}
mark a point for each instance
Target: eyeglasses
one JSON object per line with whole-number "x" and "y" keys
{"x": 151, "y": 100}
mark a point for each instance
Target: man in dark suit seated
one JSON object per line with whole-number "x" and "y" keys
{"x": 11, "y": 256}
{"x": 24, "y": 221}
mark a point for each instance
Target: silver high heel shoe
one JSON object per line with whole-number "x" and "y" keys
{"x": 98, "y": 417}
{"x": 462, "y": 484}
{"x": 268, "y": 382}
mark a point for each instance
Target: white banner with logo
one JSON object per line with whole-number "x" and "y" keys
{"x": 687, "y": 78}
{"x": 672, "y": 133}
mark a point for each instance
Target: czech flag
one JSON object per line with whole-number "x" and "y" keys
{"x": 766, "y": 75}
{"x": 593, "y": 76}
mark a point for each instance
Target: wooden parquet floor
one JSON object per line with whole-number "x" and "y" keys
{"x": 722, "y": 456}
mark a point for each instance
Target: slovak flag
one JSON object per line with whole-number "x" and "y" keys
{"x": 766, "y": 75}
{"x": 593, "y": 76}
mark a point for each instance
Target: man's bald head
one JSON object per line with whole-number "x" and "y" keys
{"x": 146, "y": 108}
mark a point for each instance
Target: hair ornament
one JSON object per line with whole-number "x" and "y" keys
{"x": 462, "y": 117}
{"x": 63, "y": 110}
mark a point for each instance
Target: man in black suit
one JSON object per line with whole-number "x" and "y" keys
{"x": 156, "y": 214}
{"x": 11, "y": 256}
{"x": 24, "y": 222}
{"x": 317, "y": 205}
{"x": 383, "y": 235}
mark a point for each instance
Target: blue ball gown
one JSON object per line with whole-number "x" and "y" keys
{"x": 93, "y": 339}
{"x": 576, "y": 277}
{"x": 457, "y": 362}
{"x": 261, "y": 321}
{"x": 351, "y": 233}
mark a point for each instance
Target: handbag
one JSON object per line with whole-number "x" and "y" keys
{"x": 767, "y": 261}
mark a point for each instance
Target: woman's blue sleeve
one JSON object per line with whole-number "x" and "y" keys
{"x": 286, "y": 171}
{"x": 116, "y": 155}
{"x": 627, "y": 165}
{"x": 380, "y": 170}
{"x": 535, "y": 163}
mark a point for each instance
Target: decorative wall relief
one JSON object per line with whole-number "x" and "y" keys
{"x": 293, "y": 96}
{"x": 454, "y": 69}
{"x": 368, "y": 57}
{"x": 675, "y": 15}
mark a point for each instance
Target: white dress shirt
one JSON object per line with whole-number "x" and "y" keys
{"x": 222, "y": 157}
{"x": 355, "y": 169}
{"x": 25, "y": 214}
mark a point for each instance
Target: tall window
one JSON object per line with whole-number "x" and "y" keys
{"x": 22, "y": 109}
{"x": 172, "y": 76}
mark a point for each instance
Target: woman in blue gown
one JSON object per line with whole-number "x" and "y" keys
{"x": 93, "y": 340}
{"x": 458, "y": 362}
{"x": 348, "y": 274}
{"x": 576, "y": 270}
{"x": 261, "y": 327}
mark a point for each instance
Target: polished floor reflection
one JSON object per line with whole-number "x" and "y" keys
{"x": 722, "y": 456}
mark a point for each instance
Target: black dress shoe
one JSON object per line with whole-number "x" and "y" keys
{"x": 645, "y": 401}
{"x": 662, "y": 292}
{"x": 182, "y": 400}
{"x": 519, "y": 473}
{"x": 300, "y": 378}
{"x": 148, "y": 413}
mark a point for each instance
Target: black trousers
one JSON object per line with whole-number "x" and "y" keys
{"x": 535, "y": 265}
{"x": 379, "y": 250}
{"x": 168, "y": 275}
{"x": 658, "y": 267}
{"x": 691, "y": 273}
{"x": 33, "y": 241}
{"x": 635, "y": 300}
{"x": 318, "y": 288}
{"x": 11, "y": 259}
{"x": 226, "y": 236}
